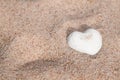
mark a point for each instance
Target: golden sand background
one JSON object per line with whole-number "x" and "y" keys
{"x": 33, "y": 39}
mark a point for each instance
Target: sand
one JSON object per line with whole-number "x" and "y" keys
{"x": 33, "y": 39}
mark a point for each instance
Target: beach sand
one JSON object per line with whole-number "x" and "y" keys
{"x": 33, "y": 39}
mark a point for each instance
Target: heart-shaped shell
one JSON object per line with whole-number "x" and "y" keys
{"x": 89, "y": 42}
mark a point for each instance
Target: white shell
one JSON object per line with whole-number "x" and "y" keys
{"x": 89, "y": 42}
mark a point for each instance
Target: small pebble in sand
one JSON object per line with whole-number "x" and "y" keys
{"x": 89, "y": 41}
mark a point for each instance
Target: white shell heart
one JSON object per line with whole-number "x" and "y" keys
{"x": 89, "y": 42}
